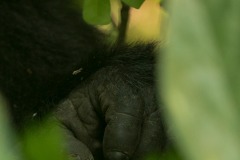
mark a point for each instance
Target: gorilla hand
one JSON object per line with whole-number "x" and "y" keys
{"x": 109, "y": 115}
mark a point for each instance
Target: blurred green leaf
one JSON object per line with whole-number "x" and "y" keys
{"x": 134, "y": 3}
{"x": 201, "y": 83}
{"x": 96, "y": 12}
{"x": 44, "y": 143}
{"x": 8, "y": 148}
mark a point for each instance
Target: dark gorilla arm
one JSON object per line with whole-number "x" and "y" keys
{"x": 110, "y": 104}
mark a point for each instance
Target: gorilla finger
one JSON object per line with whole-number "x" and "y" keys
{"x": 77, "y": 150}
{"x": 121, "y": 137}
{"x": 68, "y": 117}
{"x": 71, "y": 122}
{"x": 153, "y": 138}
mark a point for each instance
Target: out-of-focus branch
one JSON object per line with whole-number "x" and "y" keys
{"x": 124, "y": 23}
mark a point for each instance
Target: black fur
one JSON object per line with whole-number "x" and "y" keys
{"x": 43, "y": 42}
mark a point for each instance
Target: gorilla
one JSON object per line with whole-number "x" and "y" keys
{"x": 103, "y": 96}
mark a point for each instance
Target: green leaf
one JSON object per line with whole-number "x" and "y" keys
{"x": 8, "y": 148}
{"x": 96, "y": 12}
{"x": 201, "y": 80}
{"x": 44, "y": 143}
{"x": 134, "y": 3}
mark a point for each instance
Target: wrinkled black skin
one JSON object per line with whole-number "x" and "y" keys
{"x": 108, "y": 108}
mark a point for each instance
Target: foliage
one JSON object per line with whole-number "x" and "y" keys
{"x": 43, "y": 143}
{"x": 201, "y": 83}
{"x": 7, "y": 151}
{"x": 135, "y": 3}
{"x": 97, "y": 12}
{"x": 38, "y": 143}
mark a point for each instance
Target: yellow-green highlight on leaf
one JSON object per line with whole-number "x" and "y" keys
{"x": 97, "y": 12}
{"x": 134, "y": 3}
